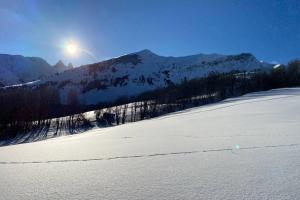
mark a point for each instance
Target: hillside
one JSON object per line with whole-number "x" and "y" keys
{"x": 241, "y": 148}
{"x": 142, "y": 71}
{"x": 16, "y": 69}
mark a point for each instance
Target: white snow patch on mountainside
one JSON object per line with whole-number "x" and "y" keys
{"x": 241, "y": 148}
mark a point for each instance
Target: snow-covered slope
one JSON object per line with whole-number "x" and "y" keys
{"x": 16, "y": 69}
{"x": 142, "y": 71}
{"x": 243, "y": 148}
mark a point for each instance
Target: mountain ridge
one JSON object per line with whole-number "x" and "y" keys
{"x": 61, "y": 67}
{"x": 16, "y": 69}
{"x": 141, "y": 71}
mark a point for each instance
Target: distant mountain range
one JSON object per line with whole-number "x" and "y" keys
{"x": 16, "y": 69}
{"x": 131, "y": 74}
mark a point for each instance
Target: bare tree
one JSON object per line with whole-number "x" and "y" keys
{"x": 124, "y": 113}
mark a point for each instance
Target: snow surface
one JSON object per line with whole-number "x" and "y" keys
{"x": 241, "y": 148}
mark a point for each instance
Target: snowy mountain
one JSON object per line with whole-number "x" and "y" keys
{"x": 142, "y": 71}
{"x": 15, "y": 69}
{"x": 61, "y": 67}
{"x": 241, "y": 148}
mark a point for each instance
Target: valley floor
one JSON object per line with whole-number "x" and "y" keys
{"x": 241, "y": 148}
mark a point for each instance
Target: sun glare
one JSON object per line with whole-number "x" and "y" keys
{"x": 71, "y": 49}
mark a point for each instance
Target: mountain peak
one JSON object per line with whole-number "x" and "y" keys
{"x": 70, "y": 66}
{"x": 60, "y": 66}
{"x": 146, "y": 52}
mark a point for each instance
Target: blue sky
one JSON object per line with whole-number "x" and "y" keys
{"x": 268, "y": 29}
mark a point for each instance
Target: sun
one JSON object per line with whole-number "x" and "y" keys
{"x": 71, "y": 49}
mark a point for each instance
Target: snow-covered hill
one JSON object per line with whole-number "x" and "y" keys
{"x": 142, "y": 71}
{"x": 16, "y": 69}
{"x": 241, "y": 148}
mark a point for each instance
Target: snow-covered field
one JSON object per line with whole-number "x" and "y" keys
{"x": 242, "y": 148}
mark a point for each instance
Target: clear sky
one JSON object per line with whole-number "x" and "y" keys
{"x": 270, "y": 29}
